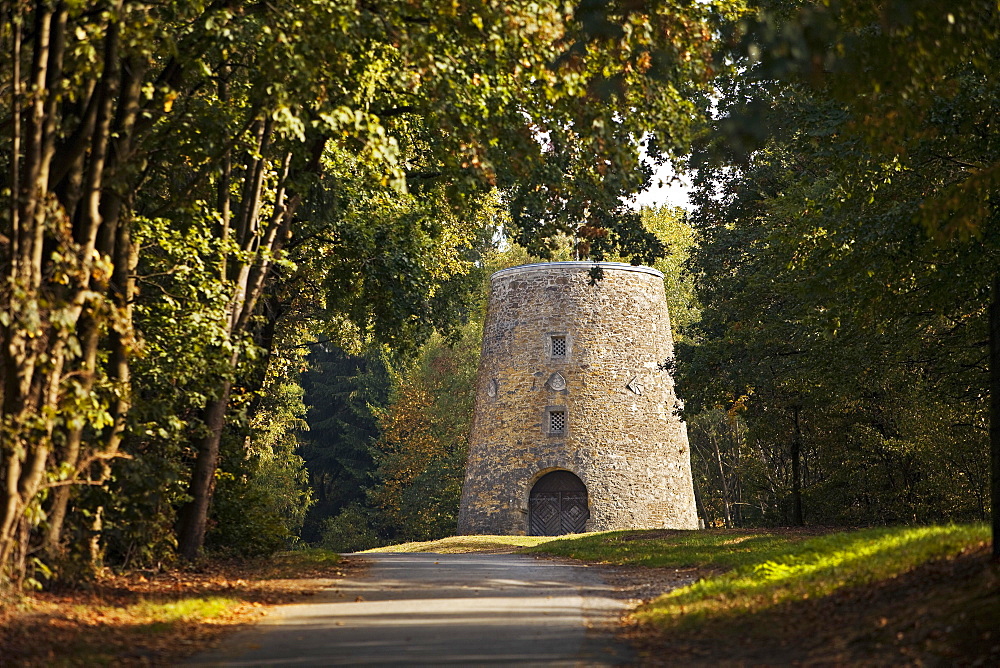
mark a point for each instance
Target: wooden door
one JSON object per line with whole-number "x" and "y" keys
{"x": 557, "y": 505}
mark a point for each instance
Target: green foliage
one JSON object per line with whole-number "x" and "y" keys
{"x": 180, "y": 314}
{"x": 259, "y": 510}
{"x": 420, "y": 455}
{"x": 392, "y": 446}
{"x": 262, "y": 493}
{"x": 845, "y": 337}
{"x": 672, "y": 228}
{"x": 194, "y": 190}
{"x": 139, "y": 509}
{"x": 350, "y": 530}
{"x": 342, "y": 392}
{"x": 725, "y": 469}
{"x": 389, "y": 266}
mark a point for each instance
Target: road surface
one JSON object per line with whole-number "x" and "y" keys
{"x": 441, "y": 609}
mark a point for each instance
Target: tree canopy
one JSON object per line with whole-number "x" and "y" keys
{"x": 196, "y": 195}
{"x": 847, "y": 250}
{"x": 192, "y": 190}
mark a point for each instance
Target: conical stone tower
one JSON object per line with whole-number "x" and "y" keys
{"x": 575, "y": 426}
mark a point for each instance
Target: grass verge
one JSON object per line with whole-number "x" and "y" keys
{"x": 713, "y": 549}
{"x": 781, "y": 570}
{"x": 467, "y": 544}
{"x": 898, "y": 595}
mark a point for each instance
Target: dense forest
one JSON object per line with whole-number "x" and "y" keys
{"x": 245, "y": 250}
{"x": 846, "y": 267}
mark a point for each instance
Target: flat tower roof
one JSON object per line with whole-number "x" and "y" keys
{"x": 578, "y": 266}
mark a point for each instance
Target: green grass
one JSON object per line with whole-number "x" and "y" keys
{"x": 158, "y": 616}
{"x": 712, "y": 549}
{"x": 802, "y": 569}
{"x": 302, "y": 562}
{"x": 884, "y": 596}
{"x": 308, "y": 556}
{"x": 465, "y": 544}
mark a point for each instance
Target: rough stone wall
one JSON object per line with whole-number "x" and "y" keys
{"x": 621, "y": 438}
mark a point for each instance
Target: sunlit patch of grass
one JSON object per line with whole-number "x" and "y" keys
{"x": 712, "y": 549}
{"x": 466, "y": 544}
{"x": 810, "y": 568}
{"x": 154, "y": 616}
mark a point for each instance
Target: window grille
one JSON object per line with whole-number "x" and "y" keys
{"x": 557, "y": 422}
{"x": 559, "y": 346}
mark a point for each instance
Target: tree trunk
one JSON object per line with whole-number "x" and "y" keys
{"x": 109, "y": 230}
{"x": 726, "y": 501}
{"x": 29, "y": 387}
{"x": 69, "y": 454}
{"x": 797, "y": 518}
{"x": 995, "y": 415}
{"x": 194, "y": 516}
{"x": 700, "y": 507}
{"x": 249, "y": 278}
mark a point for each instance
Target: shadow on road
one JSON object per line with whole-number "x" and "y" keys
{"x": 434, "y": 609}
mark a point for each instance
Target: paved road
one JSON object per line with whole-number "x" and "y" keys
{"x": 439, "y": 609}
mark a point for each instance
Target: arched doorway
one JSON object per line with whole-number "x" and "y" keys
{"x": 557, "y": 505}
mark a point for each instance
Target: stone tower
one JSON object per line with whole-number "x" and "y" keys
{"x": 574, "y": 426}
